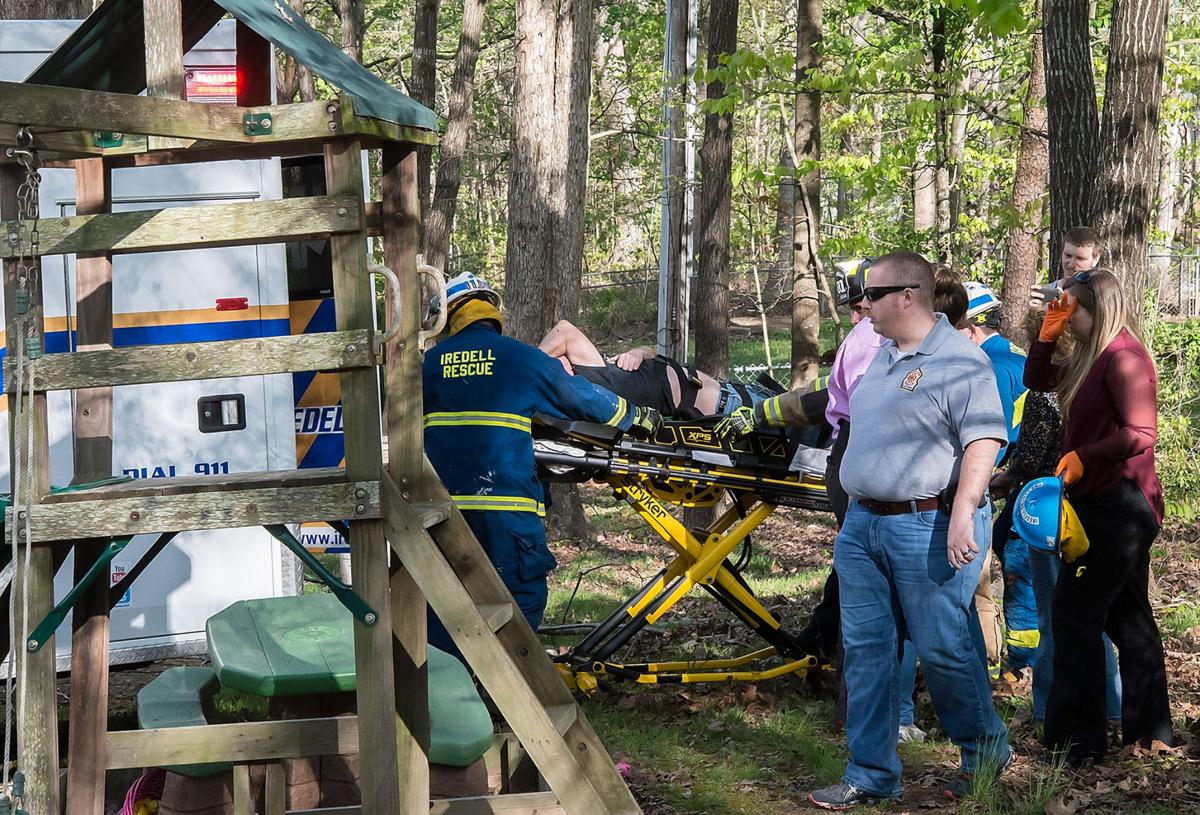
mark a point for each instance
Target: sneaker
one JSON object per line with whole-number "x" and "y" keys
{"x": 843, "y": 796}
{"x": 959, "y": 787}
{"x": 910, "y": 732}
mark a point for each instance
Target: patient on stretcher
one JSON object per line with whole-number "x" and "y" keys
{"x": 645, "y": 378}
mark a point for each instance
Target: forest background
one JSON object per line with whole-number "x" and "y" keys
{"x": 973, "y": 131}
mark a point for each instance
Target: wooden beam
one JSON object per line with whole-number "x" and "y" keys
{"x": 401, "y": 217}
{"x": 54, "y": 109}
{"x": 523, "y": 710}
{"x": 92, "y": 442}
{"x": 529, "y": 803}
{"x": 75, "y": 142}
{"x": 354, "y": 296}
{"x": 141, "y": 364}
{"x": 37, "y": 731}
{"x": 211, "y": 509}
{"x": 142, "y": 487}
{"x": 164, "y": 48}
{"x": 174, "y": 228}
{"x": 458, "y": 545}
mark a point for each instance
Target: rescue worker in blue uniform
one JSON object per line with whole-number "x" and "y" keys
{"x": 481, "y": 391}
{"x": 1008, "y": 362}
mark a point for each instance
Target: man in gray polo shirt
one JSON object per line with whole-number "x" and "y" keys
{"x": 927, "y": 428}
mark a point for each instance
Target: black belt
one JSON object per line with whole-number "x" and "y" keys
{"x": 900, "y": 507}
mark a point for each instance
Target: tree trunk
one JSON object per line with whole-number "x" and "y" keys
{"x": 1126, "y": 176}
{"x": 294, "y": 77}
{"x": 924, "y": 191}
{"x": 1022, "y": 246}
{"x": 45, "y": 9}
{"x": 716, "y": 158}
{"x": 806, "y": 309}
{"x": 537, "y": 168}
{"x": 350, "y": 19}
{"x": 1074, "y": 126}
{"x": 573, "y": 85}
{"x": 440, "y": 218}
{"x": 423, "y": 84}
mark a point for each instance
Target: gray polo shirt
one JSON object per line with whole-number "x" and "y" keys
{"x": 912, "y": 415}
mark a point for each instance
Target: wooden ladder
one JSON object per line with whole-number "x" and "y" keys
{"x": 465, "y": 591}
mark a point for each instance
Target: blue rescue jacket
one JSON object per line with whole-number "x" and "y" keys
{"x": 1008, "y": 361}
{"x": 481, "y": 391}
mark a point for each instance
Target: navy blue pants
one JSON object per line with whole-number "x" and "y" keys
{"x": 515, "y": 542}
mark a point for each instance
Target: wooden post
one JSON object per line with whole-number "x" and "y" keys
{"x": 92, "y": 426}
{"x": 37, "y": 739}
{"x": 355, "y": 299}
{"x": 164, "y": 56}
{"x": 401, "y": 231}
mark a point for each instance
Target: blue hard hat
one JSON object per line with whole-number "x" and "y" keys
{"x": 1044, "y": 518}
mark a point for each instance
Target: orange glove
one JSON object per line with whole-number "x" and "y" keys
{"x": 1058, "y": 313}
{"x": 1070, "y": 468}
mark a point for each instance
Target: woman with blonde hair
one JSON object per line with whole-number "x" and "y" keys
{"x": 1106, "y": 387}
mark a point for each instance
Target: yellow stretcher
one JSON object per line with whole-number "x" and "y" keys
{"x": 686, "y": 464}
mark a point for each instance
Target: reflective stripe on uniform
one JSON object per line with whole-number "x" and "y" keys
{"x": 622, "y": 409}
{"x": 1023, "y": 639}
{"x": 498, "y": 503}
{"x": 1019, "y": 410}
{"x": 771, "y": 411}
{"x": 478, "y": 418}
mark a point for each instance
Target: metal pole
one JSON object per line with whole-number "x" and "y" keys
{"x": 665, "y": 336}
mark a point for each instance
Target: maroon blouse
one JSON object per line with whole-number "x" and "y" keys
{"x": 1114, "y": 419}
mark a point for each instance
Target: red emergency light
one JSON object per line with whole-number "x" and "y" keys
{"x": 218, "y": 85}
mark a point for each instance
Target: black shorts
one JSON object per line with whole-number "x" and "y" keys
{"x": 648, "y": 386}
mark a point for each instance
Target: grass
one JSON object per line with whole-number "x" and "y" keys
{"x": 723, "y": 760}
{"x": 1180, "y": 620}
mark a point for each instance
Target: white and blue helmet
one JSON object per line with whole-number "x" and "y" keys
{"x": 468, "y": 285}
{"x": 980, "y": 300}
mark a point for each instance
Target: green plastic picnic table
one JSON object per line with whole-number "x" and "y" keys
{"x": 304, "y": 646}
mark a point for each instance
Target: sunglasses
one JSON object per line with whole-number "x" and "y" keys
{"x": 874, "y": 293}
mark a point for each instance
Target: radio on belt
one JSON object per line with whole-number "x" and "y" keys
{"x": 222, "y": 413}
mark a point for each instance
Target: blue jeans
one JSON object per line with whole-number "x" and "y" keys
{"x": 896, "y": 582}
{"x": 1045, "y": 568}
{"x": 908, "y": 683}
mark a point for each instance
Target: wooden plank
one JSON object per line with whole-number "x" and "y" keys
{"x": 243, "y": 799}
{"x": 524, "y": 712}
{"x": 242, "y": 741}
{"x": 77, "y": 143}
{"x": 275, "y": 790}
{"x": 497, "y": 615}
{"x": 173, "y": 228}
{"x": 215, "y": 509}
{"x": 163, "y": 24}
{"x": 431, "y": 513}
{"x": 37, "y": 734}
{"x": 401, "y": 214}
{"x": 136, "y": 365}
{"x": 457, "y": 543}
{"x": 386, "y": 132}
{"x": 164, "y": 48}
{"x": 563, "y": 716}
{"x": 530, "y": 803}
{"x": 316, "y": 476}
{"x": 354, "y": 295}
{"x": 47, "y": 107}
{"x": 92, "y": 442}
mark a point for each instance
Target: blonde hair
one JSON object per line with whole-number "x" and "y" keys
{"x": 1105, "y": 301}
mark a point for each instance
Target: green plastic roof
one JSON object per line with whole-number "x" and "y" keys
{"x": 96, "y": 55}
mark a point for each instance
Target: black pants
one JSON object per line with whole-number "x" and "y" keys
{"x": 827, "y": 615}
{"x": 1105, "y": 591}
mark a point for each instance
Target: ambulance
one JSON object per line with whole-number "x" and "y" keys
{"x": 212, "y": 427}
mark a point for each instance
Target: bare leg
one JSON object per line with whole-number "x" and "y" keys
{"x": 565, "y": 341}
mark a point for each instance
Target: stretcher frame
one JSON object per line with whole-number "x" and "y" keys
{"x": 688, "y": 465}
